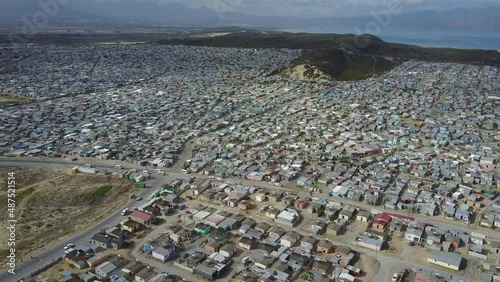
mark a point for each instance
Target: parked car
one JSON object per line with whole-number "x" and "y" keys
{"x": 139, "y": 198}
{"x": 74, "y": 159}
{"x": 125, "y": 211}
{"x": 245, "y": 259}
{"x": 395, "y": 277}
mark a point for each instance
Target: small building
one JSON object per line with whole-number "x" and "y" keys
{"x": 228, "y": 250}
{"x": 363, "y": 216}
{"x": 202, "y": 228}
{"x": 334, "y": 229}
{"x": 260, "y": 197}
{"x": 165, "y": 252}
{"x": 448, "y": 260}
{"x": 325, "y": 247}
{"x": 143, "y": 217}
{"x": 247, "y": 243}
{"x": 288, "y": 218}
{"x": 130, "y": 226}
{"x": 289, "y": 239}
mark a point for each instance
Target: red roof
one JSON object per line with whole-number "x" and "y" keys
{"x": 141, "y": 215}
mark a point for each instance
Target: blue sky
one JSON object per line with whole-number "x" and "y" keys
{"x": 315, "y": 8}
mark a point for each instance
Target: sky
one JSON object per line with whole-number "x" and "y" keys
{"x": 319, "y": 8}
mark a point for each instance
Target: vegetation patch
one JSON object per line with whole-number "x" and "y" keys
{"x": 24, "y": 193}
{"x": 344, "y": 56}
{"x": 102, "y": 191}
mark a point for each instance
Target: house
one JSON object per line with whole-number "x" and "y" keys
{"x": 363, "y": 216}
{"x": 276, "y": 232}
{"x": 300, "y": 204}
{"x": 143, "y": 217}
{"x": 263, "y": 227}
{"x": 289, "y": 239}
{"x": 325, "y": 247}
{"x": 264, "y": 262}
{"x": 144, "y": 275}
{"x": 130, "y": 226}
{"x": 244, "y": 205}
{"x": 313, "y": 208}
{"x": 74, "y": 257}
{"x": 318, "y": 227}
{"x": 274, "y": 197}
{"x": 288, "y": 217}
{"x": 463, "y": 212}
{"x": 448, "y": 260}
{"x": 372, "y": 243}
{"x": 334, "y": 229}
{"x": 97, "y": 259}
{"x": 165, "y": 252}
{"x": 228, "y": 250}
{"x": 133, "y": 267}
{"x": 322, "y": 266}
{"x": 495, "y": 247}
{"x": 213, "y": 245}
{"x": 105, "y": 269}
{"x": 454, "y": 240}
{"x": 381, "y": 222}
{"x": 414, "y": 233}
{"x": 273, "y": 213}
{"x": 309, "y": 242}
{"x": 202, "y": 228}
{"x": 343, "y": 251}
{"x": 300, "y": 258}
{"x": 247, "y": 243}
{"x": 260, "y": 197}
{"x": 347, "y": 213}
{"x": 106, "y": 241}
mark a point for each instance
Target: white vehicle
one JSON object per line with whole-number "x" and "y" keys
{"x": 125, "y": 211}
{"x": 145, "y": 171}
{"x": 245, "y": 259}
{"x": 69, "y": 246}
{"x": 118, "y": 166}
{"x": 89, "y": 165}
{"x": 185, "y": 171}
{"x": 395, "y": 277}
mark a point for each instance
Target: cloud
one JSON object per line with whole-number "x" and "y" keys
{"x": 314, "y": 8}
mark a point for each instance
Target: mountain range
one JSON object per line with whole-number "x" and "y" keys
{"x": 87, "y": 12}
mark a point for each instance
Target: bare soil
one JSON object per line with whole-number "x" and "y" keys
{"x": 369, "y": 266}
{"x": 52, "y": 204}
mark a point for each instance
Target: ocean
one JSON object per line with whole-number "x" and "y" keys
{"x": 427, "y": 38}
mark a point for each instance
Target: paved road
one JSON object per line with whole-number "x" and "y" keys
{"x": 57, "y": 250}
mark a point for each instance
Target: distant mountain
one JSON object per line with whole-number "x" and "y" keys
{"x": 176, "y": 14}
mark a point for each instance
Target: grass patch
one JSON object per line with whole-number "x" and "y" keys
{"x": 24, "y": 194}
{"x": 102, "y": 191}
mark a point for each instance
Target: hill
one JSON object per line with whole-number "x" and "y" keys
{"x": 344, "y": 56}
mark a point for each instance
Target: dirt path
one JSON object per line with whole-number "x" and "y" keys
{"x": 186, "y": 154}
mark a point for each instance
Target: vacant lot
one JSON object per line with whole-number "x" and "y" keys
{"x": 8, "y": 99}
{"x": 51, "y": 204}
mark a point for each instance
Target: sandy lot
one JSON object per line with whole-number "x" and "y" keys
{"x": 369, "y": 266}
{"x": 6, "y": 99}
{"x": 51, "y": 204}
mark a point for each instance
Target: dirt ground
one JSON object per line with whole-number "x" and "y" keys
{"x": 369, "y": 266}
{"x": 52, "y": 203}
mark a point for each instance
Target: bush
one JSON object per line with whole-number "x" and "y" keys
{"x": 102, "y": 191}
